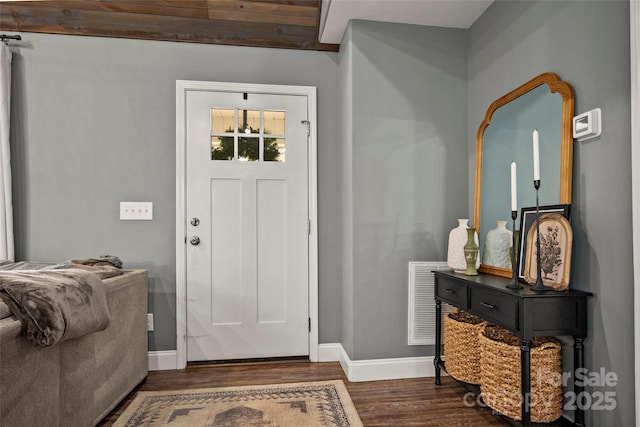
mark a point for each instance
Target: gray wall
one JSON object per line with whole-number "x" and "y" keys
{"x": 404, "y": 169}
{"x": 399, "y": 107}
{"x": 94, "y": 124}
{"x": 587, "y": 44}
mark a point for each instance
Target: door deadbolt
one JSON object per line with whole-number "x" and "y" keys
{"x": 195, "y": 240}
{"x": 195, "y": 222}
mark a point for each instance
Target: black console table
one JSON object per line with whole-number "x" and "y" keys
{"x": 525, "y": 312}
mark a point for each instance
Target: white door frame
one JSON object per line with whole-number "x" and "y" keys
{"x": 635, "y": 186}
{"x": 182, "y": 88}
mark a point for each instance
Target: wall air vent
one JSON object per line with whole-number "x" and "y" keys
{"x": 422, "y": 306}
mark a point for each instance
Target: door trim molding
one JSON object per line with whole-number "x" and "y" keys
{"x": 182, "y": 88}
{"x": 635, "y": 186}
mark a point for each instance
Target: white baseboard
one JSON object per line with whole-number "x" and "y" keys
{"x": 377, "y": 369}
{"x": 329, "y": 352}
{"x": 355, "y": 370}
{"x": 163, "y": 360}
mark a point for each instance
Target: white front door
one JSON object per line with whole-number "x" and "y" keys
{"x": 247, "y": 257}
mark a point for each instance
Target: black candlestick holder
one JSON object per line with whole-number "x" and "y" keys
{"x": 514, "y": 284}
{"x": 539, "y": 286}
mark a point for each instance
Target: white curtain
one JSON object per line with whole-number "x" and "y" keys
{"x": 6, "y": 209}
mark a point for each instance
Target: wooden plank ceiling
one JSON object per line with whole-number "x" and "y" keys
{"x": 291, "y": 24}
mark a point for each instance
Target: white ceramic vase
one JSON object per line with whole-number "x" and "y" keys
{"x": 455, "y": 251}
{"x": 496, "y": 246}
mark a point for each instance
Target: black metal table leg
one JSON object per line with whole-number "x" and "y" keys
{"x": 436, "y": 359}
{"x": 525, "y": 378}
{"x": 578, "y": 363}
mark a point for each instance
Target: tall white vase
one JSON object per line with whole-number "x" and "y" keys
{"x": 496, "y": 246}
{"x": 455, "y": 251}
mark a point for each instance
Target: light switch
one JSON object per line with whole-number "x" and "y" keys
{"x": 136, "y": 211}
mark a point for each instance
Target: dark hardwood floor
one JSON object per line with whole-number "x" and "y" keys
{"x": 397, "y": 403}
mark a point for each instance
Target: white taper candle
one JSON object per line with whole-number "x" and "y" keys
{"x": 514, "y": 187}
{"x": 536, "y": 156}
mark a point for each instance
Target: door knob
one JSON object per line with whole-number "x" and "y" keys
{"x": 195, "y": 222}
{"x": 195, "y": 240}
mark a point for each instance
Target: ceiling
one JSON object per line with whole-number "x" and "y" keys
{"x": 438, "y": 13}
{"x": 292, "y": 24}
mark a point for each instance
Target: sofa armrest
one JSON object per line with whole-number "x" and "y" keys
{"x": 107, "y": 365}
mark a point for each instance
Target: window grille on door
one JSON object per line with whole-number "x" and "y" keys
{"x": 248, "y": 135}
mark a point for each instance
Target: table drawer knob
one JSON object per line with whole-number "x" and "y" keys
{"x": 486, "y": 304}
{"x": 451, "y": 291}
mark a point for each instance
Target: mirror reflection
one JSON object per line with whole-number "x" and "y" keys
{"x": 546, "y": 104}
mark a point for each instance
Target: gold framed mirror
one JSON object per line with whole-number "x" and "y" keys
{"x": 546, "y": 104}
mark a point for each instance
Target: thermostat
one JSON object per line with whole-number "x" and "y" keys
{"x": 587, "y": 125}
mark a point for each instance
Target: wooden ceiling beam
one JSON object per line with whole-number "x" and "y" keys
{"x": 47, "y": 19}
{"x": 308, "y": 3}
{"x": 290, "y": 24}
{"x": 184, "y": 8}
{"x": 260, "y": 11}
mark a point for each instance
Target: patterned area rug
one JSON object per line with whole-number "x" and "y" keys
{"x": 321, "y": 404}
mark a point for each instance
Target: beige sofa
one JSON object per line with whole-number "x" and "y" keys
{"x": 79, "y": 381}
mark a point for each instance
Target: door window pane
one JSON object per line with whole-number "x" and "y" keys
{"x": 222, "y": 148}
{"x": 274, "y": 122}
{"x": 249, "y": 121}
{"x": 222, "y": 120}
{"x": 274, "y": 149}
{"x": 248, "y": 148}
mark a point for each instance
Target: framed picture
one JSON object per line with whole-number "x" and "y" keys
{"x": 556, "y": 238}
{"x": 527, "y": 217}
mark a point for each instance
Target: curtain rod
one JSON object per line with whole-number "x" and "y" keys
{"x": 4, "y": 37}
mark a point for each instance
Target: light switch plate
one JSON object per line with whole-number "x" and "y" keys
{"x": 136, "y": 211}
{"x": 587, "y": 125}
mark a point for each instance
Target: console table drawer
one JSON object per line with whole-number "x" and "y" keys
{"x": 452, "y": 292}
{"x": 494, "y": 308}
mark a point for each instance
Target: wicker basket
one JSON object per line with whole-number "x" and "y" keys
{"x": 461, "y": 341}
{"x": 500, "y": 374}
